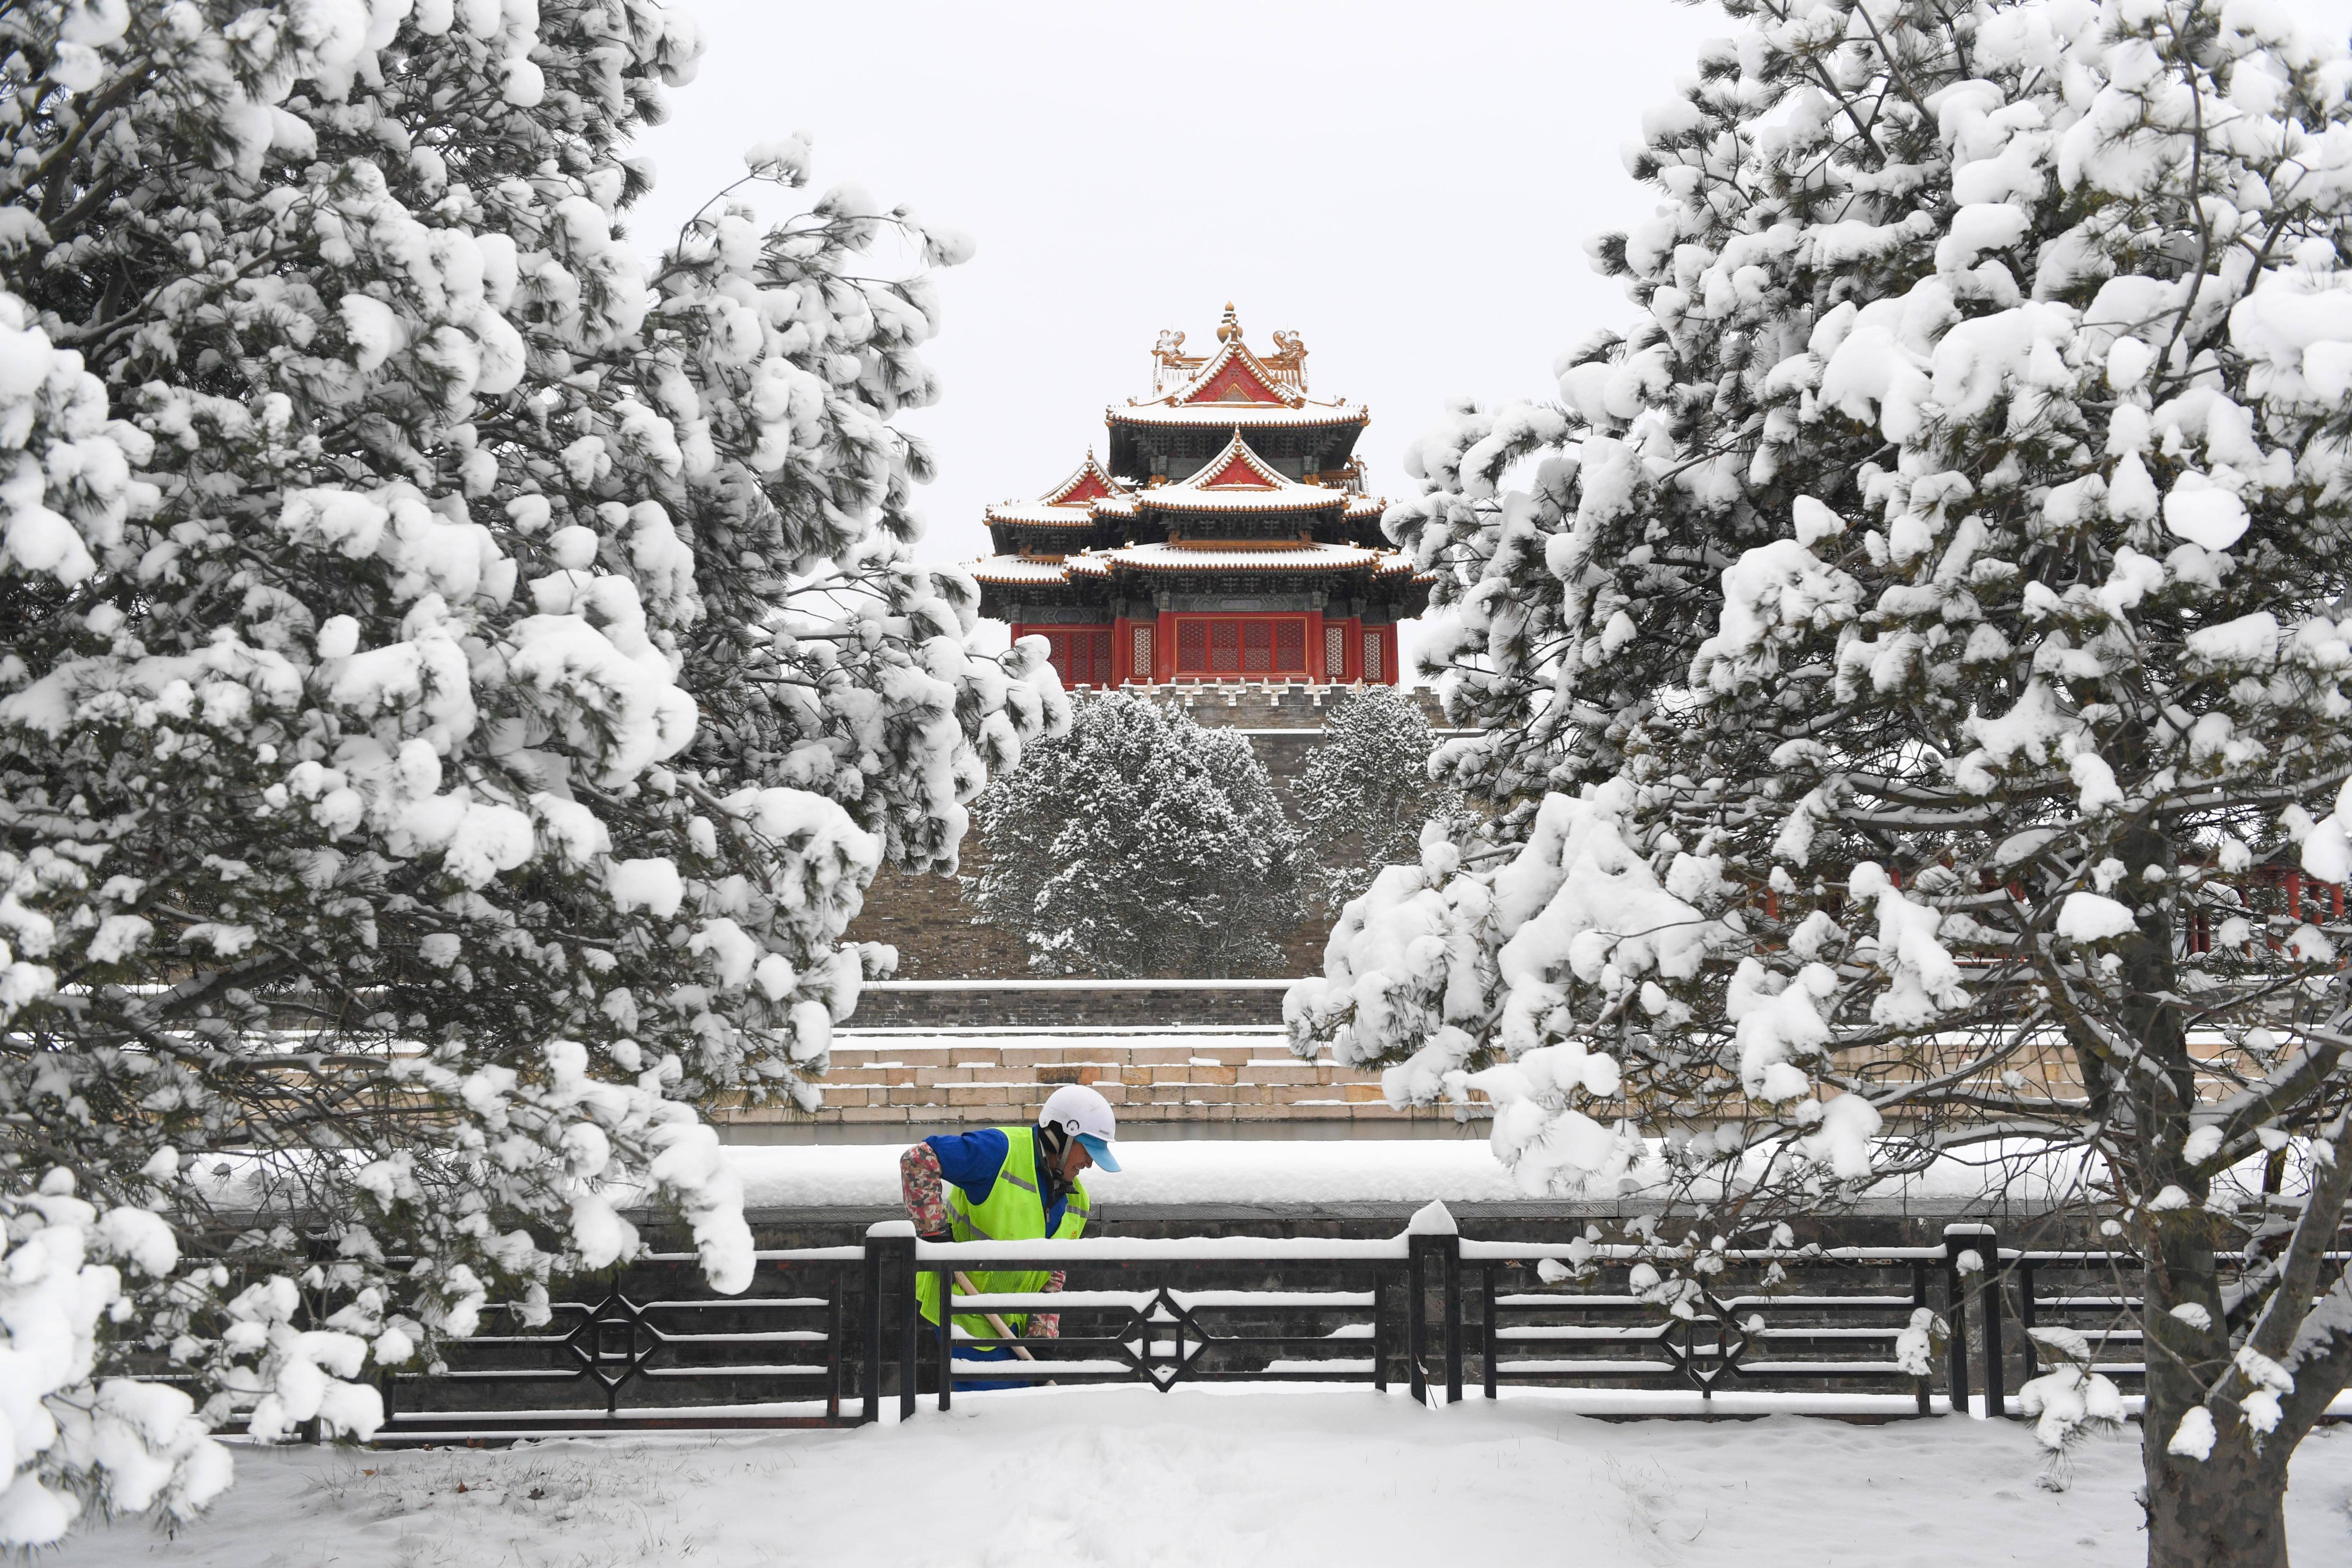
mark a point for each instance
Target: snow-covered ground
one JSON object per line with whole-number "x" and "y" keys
{"x": 1127, "y": 1476}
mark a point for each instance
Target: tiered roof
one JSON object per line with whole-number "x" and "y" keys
{"x": 1069, "y": 504}
{"x": 1094, "y": 526}
{"x": 1235, "y": 387}
{"x": 1284, "y": 555}
{"x": 1238, "y": 480}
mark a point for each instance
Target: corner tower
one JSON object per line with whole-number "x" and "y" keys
{"x": 1227, "y": 539}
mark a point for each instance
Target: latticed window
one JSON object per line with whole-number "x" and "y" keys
{"x": 1192, "y": 647}
{"x": 1335, "y": 651}
{"x": 1142, "y": 663}
{"x": 1373, "y": 670}
{"x": 1257, "y": 646}
{"x": 1081, "y": 655}
{"x": 1260, "y": 645}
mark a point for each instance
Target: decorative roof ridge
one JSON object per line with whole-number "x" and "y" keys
{"x": 1235, "y": 450}
{"x": 1232, "y": 348}
{"x": 1309, "y": 411}
{"x": 1090, "y": 469}
{"x": 1029, "y": 515}
{"x": 1018, "y": 571}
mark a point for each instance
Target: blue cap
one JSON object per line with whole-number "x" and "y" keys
{"x": 1099, "y": 1150}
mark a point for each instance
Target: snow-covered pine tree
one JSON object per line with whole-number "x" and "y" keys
{"x": 1365, "y": 792}
{"x": 1140, "y": 843}
{"x": 1898, "y": 651}
{"x": 457, "y": 685}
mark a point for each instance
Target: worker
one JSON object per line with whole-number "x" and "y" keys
{"x": 1007, "y": 1184}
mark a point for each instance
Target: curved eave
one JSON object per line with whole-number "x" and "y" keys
{"x": 1235, "y": 415}
{"x": 1018, "y": 572}
{"x": 1325, "y": 558}
{"x": 1175, "y": 497}
{"x": 1029, "y": 515}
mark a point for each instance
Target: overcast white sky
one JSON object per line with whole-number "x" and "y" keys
{"x": 1408, "y": 185}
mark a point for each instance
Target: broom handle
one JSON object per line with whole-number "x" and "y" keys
{"x": 964, "y": 1283}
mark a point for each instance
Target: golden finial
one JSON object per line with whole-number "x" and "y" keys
{"x": 1230, "y": 329}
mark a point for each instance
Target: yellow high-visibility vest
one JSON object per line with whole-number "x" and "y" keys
{"x": 1013, "y": 1210}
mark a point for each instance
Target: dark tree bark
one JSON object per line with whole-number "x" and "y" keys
{"x": 2227, "y": 1510}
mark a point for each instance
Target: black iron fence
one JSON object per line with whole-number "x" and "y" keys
{"x": 828, "y": 1336}
{"x": 651, "y": 1348}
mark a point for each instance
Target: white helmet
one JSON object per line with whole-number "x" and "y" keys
{"x": 1085, "y": 1115}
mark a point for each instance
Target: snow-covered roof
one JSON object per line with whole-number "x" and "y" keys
{"x": 1252, "y": 414}
{"x": 1238, "y": 479}
{"x": 1018, "y": 571}
{"x": 1233, "y": 374}
{"x": 1233, "y": 387}
{"x": 1032, "y": 514}
{"x": 1361, "y": 507}
{"x": 1285, "y": 555}
{"x": 1068, "y": 505}
{"x": 1088, "y": 482}
{"x": 1240, "y": 557}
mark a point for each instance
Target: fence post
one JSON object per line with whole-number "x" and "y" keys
{"x": 947, "y": 1332}
{"x": 1988, "y": 1291}
{"x": 1416, "y": 1316}
{"x": 2026, "y": 1318}
{"x": 1487, "y": 1336}
{"x": 1956, "y": 1319}
{"x": 1434, "y": 1245}
{"x": 1959, "y": 1242}
{"x": 890, "y": 1272}
{"x": 1452, "y": 1253}
{"x": 870, "y": 1323}
{"x": 1919, "y": 1301}
{"x": 832, "y": 1345}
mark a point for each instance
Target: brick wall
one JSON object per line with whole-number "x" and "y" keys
{"x": 884, "y": 1005}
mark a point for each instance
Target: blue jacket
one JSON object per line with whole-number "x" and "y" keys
{"x": 971, "y": 1160}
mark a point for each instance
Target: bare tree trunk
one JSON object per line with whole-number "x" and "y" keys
{"x": 2227, "y": 1510}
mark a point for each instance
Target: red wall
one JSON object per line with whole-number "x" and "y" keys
{"x": 1105, "y": 656}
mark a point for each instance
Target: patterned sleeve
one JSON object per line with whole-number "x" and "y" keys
{"x": 920, "y": 1186}
{"x": 1046, "y": 1325}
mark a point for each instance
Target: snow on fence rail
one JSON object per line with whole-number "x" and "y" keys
{"x": 825, "y": 1335}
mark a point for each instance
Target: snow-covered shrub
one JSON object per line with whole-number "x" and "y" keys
{"x": 75, "y": 1440}
{"x": 1897, "y": 645}
{"x": 1365, "y": 792}
{"x": 458, "y": 673}
{"x": 1139, "y": 844}
{"x": 2069, "y": 1402}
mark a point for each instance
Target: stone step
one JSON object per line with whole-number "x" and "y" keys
{"x": 933, "y": 1080}
{"x": 1046, "y": 1080}
{"x": 861, "y": 1054}
{"x": 1168, "y": 1091}
{"x": 1163, "y": 1111}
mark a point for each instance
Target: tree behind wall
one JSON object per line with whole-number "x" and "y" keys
{"x": 1914, "y": 629}
{"x": 1140, "y": 843}
{"x": 1365, "y": 792}
{"x": 456, "y": 684}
